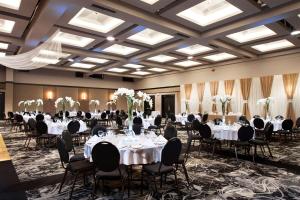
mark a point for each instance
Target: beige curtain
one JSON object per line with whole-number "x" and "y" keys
{"x": 290, "y": 82}
{"x": 200, "y": 89}
{"x": 229, "y": 84}
{"x": 245, "y": 89}
{"x": 188, "y": 90}
{"x": 266, "y": 87}
{"x": 214, "y": 85}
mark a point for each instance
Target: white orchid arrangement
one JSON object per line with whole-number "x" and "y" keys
{"x": 39, "y": 102}
{"x": 20, "y": 103}
{"x": 95, "y": 103}
{"x": 224, "y": 100}
{"x": 64, "y": 102}
{"x": 110, "y": 102}
{"x": 29, "y": 102}
{"x": 266, "y": 103}
{"x": 144, "y": 97}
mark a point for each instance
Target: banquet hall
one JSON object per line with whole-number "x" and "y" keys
{"x": 149, "y": 99}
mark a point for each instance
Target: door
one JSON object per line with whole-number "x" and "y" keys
{"x": 147, "y": 106}
{"x": 2, "y": 104}
{"x": 167, "y": 104}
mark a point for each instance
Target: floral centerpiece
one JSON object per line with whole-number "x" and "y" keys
{"x": 76, "y": 105}
{"x": 28, "y": 104}
{"x": 110, "y": 104}
{"x": 20, "y": 104}
{"x": 142, "y": 98}
{"x": 224, "y": 100}
{"x": 64, "y": 103}
{"x": 131, "y": 101}
{"x": 266, "y": 103}
{"x": 95, "y": 103}
{"x": 38, "y": 103}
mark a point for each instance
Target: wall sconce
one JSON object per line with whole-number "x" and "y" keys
{"x": 49, "y": 95}
{"x": 83, "y": 96}
{"x": 111, "y": 96}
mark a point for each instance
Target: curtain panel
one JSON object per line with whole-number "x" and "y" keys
{"x": 214, "y": 85}
{"x": 266, "y": 83}
{"x": 200, "y": 89}
{"x": 229, "y": 84}
{"x": 245, "y": 89}
{"x": 290, "y": 83}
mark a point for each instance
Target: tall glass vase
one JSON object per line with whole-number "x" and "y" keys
{"x": 130, "y": 113}
{"x": 223, "y": 111}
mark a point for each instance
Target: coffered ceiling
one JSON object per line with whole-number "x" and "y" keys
{"x": 141, "y": 38}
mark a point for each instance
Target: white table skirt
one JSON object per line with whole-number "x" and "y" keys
{"x": 146, "y": 122}
{"x": 26, "y": 117}
{"x": 276, "y": 123}
{"x": 56, "y": 128}
{"x": 183, "y": 119}
{"x": 133, "y": 150}
{"x": 223, "y": 132}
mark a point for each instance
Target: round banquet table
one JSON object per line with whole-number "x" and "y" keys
{"x": 183, "y": 119}
{"x": 134, "y": 150}
{"x": 56, "y": 128}
{"x": 26, "y": 117}
{"x": 277, "y": 123}
{"x": 225, "y": 132}
{"x": 146, "y": 122}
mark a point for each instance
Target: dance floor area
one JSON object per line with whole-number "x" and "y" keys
{"x": 211, "y": 177}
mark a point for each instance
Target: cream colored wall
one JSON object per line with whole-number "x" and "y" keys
{"x": 255, "y": 68}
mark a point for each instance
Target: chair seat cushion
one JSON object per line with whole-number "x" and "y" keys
{"x": 113, "y": 174}
{"x": 77, "y": 157}
{"x": 80, "y": 166}
{"x": 154, "y": 168}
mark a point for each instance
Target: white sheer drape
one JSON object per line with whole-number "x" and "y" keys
{"x": 207, "y": 99}
{"x": 297, "y": 100}
{"x": 47, "y": 53}
{"x": 255, "y": 94}
{"x": 279, "y": 105}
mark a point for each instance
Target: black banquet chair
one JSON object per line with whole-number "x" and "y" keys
{"x": 99, "y": 130}
{"x": 106, "y": 159}
{"x": 287, "y": 129}
{"x": 73, "y": 128}
{"x": 170, "y": 132}
{"x": 245, "y": 135}
{"x": 259, "y": 125}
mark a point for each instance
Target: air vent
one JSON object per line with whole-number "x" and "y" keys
{"x": 97, "y": 76}
{"x": 127, "y": 79}
{"x": 79, "y": 74}
{"x": 26, "y": 71}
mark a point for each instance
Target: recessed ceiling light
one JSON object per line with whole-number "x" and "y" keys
{"x": 194, "y": 49}
{"x": 151, "y": 2}
{"x": 271, "y": 46}
{"x": 3, "y": 45}
{"x": 209, "y": 12}
{"x": 252, "y": 34}
{"x": 220, "y": 56}
{"x": 155, "y": 69}
{"x": 149, "y": 36}
{"x": 53, "y": 53}
{"x": 11, "y": 4}
{"x": 120, "y": 49}
{"x": 134, "y": 66}
{"x": 162, "y": 58}
{"x": 44, "y": 60}
{"x": 190, "y": 57}
{"x": 95, "y": 60}
{"x": 6, "y": 26}
{"x": 72, "y": 39}
{"x": 2, "y": 54}
{"x": 110, "y": 38}
{"x": 295, "y": 32}
{"x": 141, "y": 73}
{"x": 187, "y": 63}
{"x": 116, "y": 69}
{"x": 83, "y": 65}
{"x": 95, "y": 21}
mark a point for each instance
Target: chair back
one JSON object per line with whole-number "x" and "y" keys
{"x": 137, "y": 120}
{"x": 73, "y": 126}
{"x": 79, "y": 114}
{"x": 298, "y": 122}
{"x": 268, "y": 131}
{"x": 99, "y": 130}
{"x": 287, "y": 124}
{"x": 63, "y": 153}
{"x": 119, "y": 121}
{"x": 106, "y": 156}
{"x": 172, "y": 117}
{"x": 204, "y": 118}
{"x": 137, "y": 128}
{"x": 256, "y": 116}
{"x": 190, "y": 117}
{"x": 245, "y": 133}
{"x": 41, "y": 128}
{"x": 67, "y": 113}
{"x": 279, "y": 117}
{"x": 107, "y": 112}
{"x": 117, "y": 112}
{"x": 196, "y": 125}
{"x": 103, "y": 115}
{"x": 93, "y": 123}
{"x": 32, "y": 124}
{"x": 157, "y": 120}
{"x": 244, "y": 120}
{"x": 19, "y": 118}
{"x": 170, "y": 132}
{"x": 39, "y": 117}
{"x": 10, "y": 115}
{"x": 88, "y": 115}
{"x": 205, "y": 131}
{"x": 258, "y": 123}
{"x": 171, "y": 152}
{"x": 68, "y": 141}
{"x": 218, "y": 121}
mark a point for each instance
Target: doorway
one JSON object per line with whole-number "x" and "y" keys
{"x": 2, "y": 105}
{"x": 167, "y": 104}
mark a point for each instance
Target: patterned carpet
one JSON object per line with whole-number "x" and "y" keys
{"x": 218, "y": 177}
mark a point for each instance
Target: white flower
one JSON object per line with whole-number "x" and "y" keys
{"x": 20, "y": 103}
{"x": 39, "y": 102}
{"x": 94, "y": 102}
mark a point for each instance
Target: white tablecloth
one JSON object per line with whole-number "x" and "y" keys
{"x": 183, "y": 119}
{"x": 142, "y": 149}
{"x": 56, "y": 128}
{"x": 26, "y": 117}
{"x": 146, "y": 122}
{"x": 276, "y": 123}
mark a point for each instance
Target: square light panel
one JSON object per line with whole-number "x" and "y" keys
{"x": 95, "y": 21}
{"x": 3, "y": 45}
{"x": 220, "y": 57}
{"x": 209, "y": 12}
{"x": 252, "y": 34}
{"x": 72, "y": 39}
{"x": 83, "y": 65}
{"x": 155, "y": 69}
{"x": 151, "y": 2}
{"x": 116, "y": 69}
{"x": 95, "y": 60}
{"x": 120, "y": 49}
{"x": 187, "y": 63}
{"x": 161, "y": 58}
{"x": 194, "y": 49}
{"x": 39, "y": 59}
{"x": 45, "y": 52}
{"x": 134, "y": 66}
{"x": 6, "y": 26}
{"x": 11, "y": 4}
{"x": 271, "y": 46}
{"x": 149, "y": 36}
{"x": 141, "y": 73}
